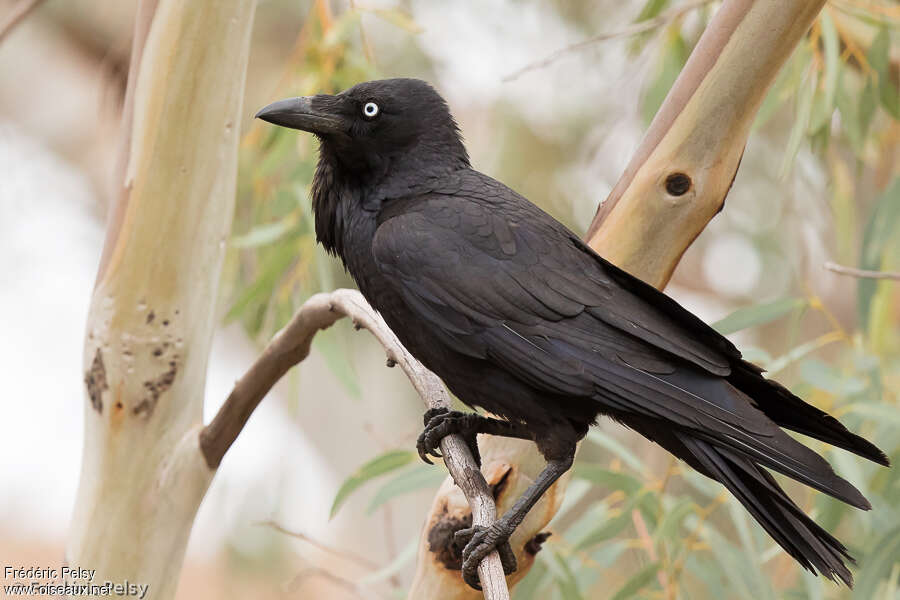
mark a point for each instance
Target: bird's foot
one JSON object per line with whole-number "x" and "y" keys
{"x": 481, "y": 542}
{"x": 440, "y": 422}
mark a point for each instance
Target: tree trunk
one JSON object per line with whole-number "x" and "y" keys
{"x": 152, "y": 314}
{"x": 674, "y": 185}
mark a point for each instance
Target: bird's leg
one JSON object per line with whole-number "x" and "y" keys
{"x": 440, "y": 422}
{"x": 482, "y": 540}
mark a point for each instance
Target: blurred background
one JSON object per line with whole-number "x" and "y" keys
{"x": 321, "y": 496}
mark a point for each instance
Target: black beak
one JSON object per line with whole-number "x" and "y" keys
{"x": 298, "y": 113}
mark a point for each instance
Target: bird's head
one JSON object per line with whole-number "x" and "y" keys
{"x": 377, "y": 127}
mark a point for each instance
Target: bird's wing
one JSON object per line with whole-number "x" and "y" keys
{"x": 496, "y": 278}
{"x": 475, "y": 256}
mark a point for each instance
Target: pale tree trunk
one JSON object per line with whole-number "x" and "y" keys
{"x": 675, "y": 183}
{"x": 152, "y": 314}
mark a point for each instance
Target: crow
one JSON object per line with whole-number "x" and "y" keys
{"x": 518, "y": 316}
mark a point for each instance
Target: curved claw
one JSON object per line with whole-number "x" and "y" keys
{"x": 440, "y": 422}
{"x": 432, "y": 413}
{"x": 481, "y": 542}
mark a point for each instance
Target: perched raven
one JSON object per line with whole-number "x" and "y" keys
{"x": 521, "y": 318}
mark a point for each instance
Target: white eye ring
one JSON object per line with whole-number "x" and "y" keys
{"x": 371, "y": 110}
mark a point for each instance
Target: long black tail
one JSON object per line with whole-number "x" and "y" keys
{"x": 790, "y": 412}
{"x": 813, "y": 547}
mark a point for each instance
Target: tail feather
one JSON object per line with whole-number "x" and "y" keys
{"x": 790, "y": 412}
{"x": 813, "y": 547}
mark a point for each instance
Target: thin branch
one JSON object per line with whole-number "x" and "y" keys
{"x": 862, "y": 273}
{"x": 663, "y": 18}
{"x": 292, "y": 344}
{"x": 16, "y": 16}
{"x": 346, "y": 554}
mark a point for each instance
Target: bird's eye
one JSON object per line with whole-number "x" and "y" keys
{"x": 371, "y": 110}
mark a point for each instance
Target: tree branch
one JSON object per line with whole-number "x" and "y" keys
{"x": 677, "y": 179}
{"x": 862, "y": 273}
{"x": 292, "y": 344}
{"x": 661, "y": 19}
{"x": 16, "y": 16}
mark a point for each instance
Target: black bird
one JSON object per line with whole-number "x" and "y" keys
{"x": 518, "y": 316}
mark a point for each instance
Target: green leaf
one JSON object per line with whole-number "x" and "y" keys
{"x": 882, "y": 227}
{"x": 565, "y": 579}
{"x": 793, "y": 355}
{"x": 801, "y": 123}
{"x": 784, "y": 88}
{"x": 815, "y": 590}
{"x": 529, "y": 587}
{"x": 868, "y": 102}
{"x": 826, "y": 103}
{"x": 384, "y": 463}
{"x": 674, "y": 55}
{"x": 606, "y": 530}
{"x": 405, "y": 557}
{"x": 263, "y": 234}
{"x": 880, "y": 61}
{"x": 882, "y": 413}
{"x": 273, "y": 267}
{"x": 850, "y": 120}
{"x": 879, "y": 52}
{"x": 616, "y": 521}
{"x": 710, "y": 574}
{"x": 825, "y": 377}
{"x": 877, "y": 565}
{"x": 671, "y": 524}
{"x": 335, "y": 349}
{"x": 604, "y": 440}
{"x": 419, "y": 477}
{"x": 650, "y": 9}
{"x": 637, "y": 582}
{"x": 611, "y": 480}
{"x": 758, "y": 314}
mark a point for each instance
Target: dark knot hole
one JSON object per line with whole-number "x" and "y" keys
{"x": 677, "y": 184}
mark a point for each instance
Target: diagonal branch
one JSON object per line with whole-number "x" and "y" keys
{"x": 292, "y": 344}
{"x": 862, "y": 273}
{"x": 661, "y": 19}
{"x": 16, "y": 16}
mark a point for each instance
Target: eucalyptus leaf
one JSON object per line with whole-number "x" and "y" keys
{"x": 566, "y": 582}
{"x": 611, "y": 480}
{"x": 868, "y": 103}
{"x": 335, "y": 349}
{"x": 380, "y": 465}
{"x": 758, "y": 314}
{"x": 637, "y": 582}
{"x": 672, "y": 59}
{"x": 827, "y": 378}
{"x": 832, "y": 73}
{"x": 801, "y": 123}
{"x": 418, "y": 477}
{"x": 263, "y": 234}
{"x": 670, "y": 525}
{"x": 601, "y": 438}
{"x": 878, "y": 564}
{"x": 403, "y": 558}
{"x": 880, "y": 59}
{"x": 529, "y": 587}
{"x": 881, "y": 229}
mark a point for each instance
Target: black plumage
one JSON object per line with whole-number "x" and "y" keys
{"x": 518, "y": 316}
